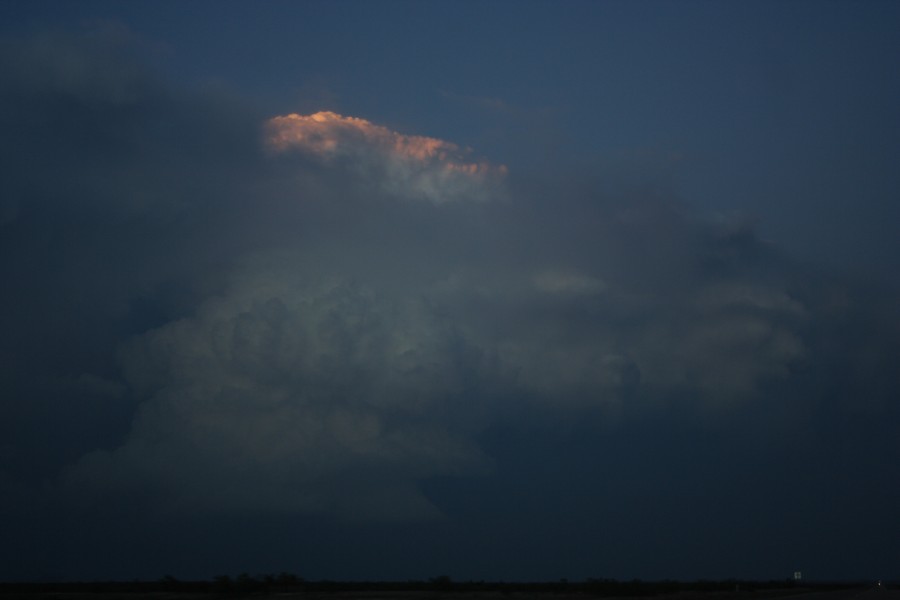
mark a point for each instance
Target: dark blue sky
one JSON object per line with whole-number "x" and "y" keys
{"x": 497, "y": 290}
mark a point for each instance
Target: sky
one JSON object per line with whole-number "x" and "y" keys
{"x": 491, "y": 290}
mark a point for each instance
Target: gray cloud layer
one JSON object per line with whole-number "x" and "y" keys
{"x": 239, "y": 331}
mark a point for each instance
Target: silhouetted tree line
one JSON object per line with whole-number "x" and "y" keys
{"x": 283, "y": 583}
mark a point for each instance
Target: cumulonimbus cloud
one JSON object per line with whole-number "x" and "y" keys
{"x": 411, "y": 166}
{"x": 318, "y": 397}
{"x": 390, "y": 337}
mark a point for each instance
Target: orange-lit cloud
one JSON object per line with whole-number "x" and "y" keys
{"x": 412, "y": 165}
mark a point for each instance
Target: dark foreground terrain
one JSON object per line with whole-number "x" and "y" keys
{"x": 442, "y": 588}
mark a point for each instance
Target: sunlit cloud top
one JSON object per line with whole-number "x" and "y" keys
{"x": 413, "y": 165}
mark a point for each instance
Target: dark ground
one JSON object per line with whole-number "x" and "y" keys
{"x": 441, "y": 588}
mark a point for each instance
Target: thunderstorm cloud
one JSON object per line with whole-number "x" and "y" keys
{"x": 233, "y": 313}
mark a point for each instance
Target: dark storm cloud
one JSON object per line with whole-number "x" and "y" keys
{"x": 226, "y": 330}
{"x": 108, "y": 176}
